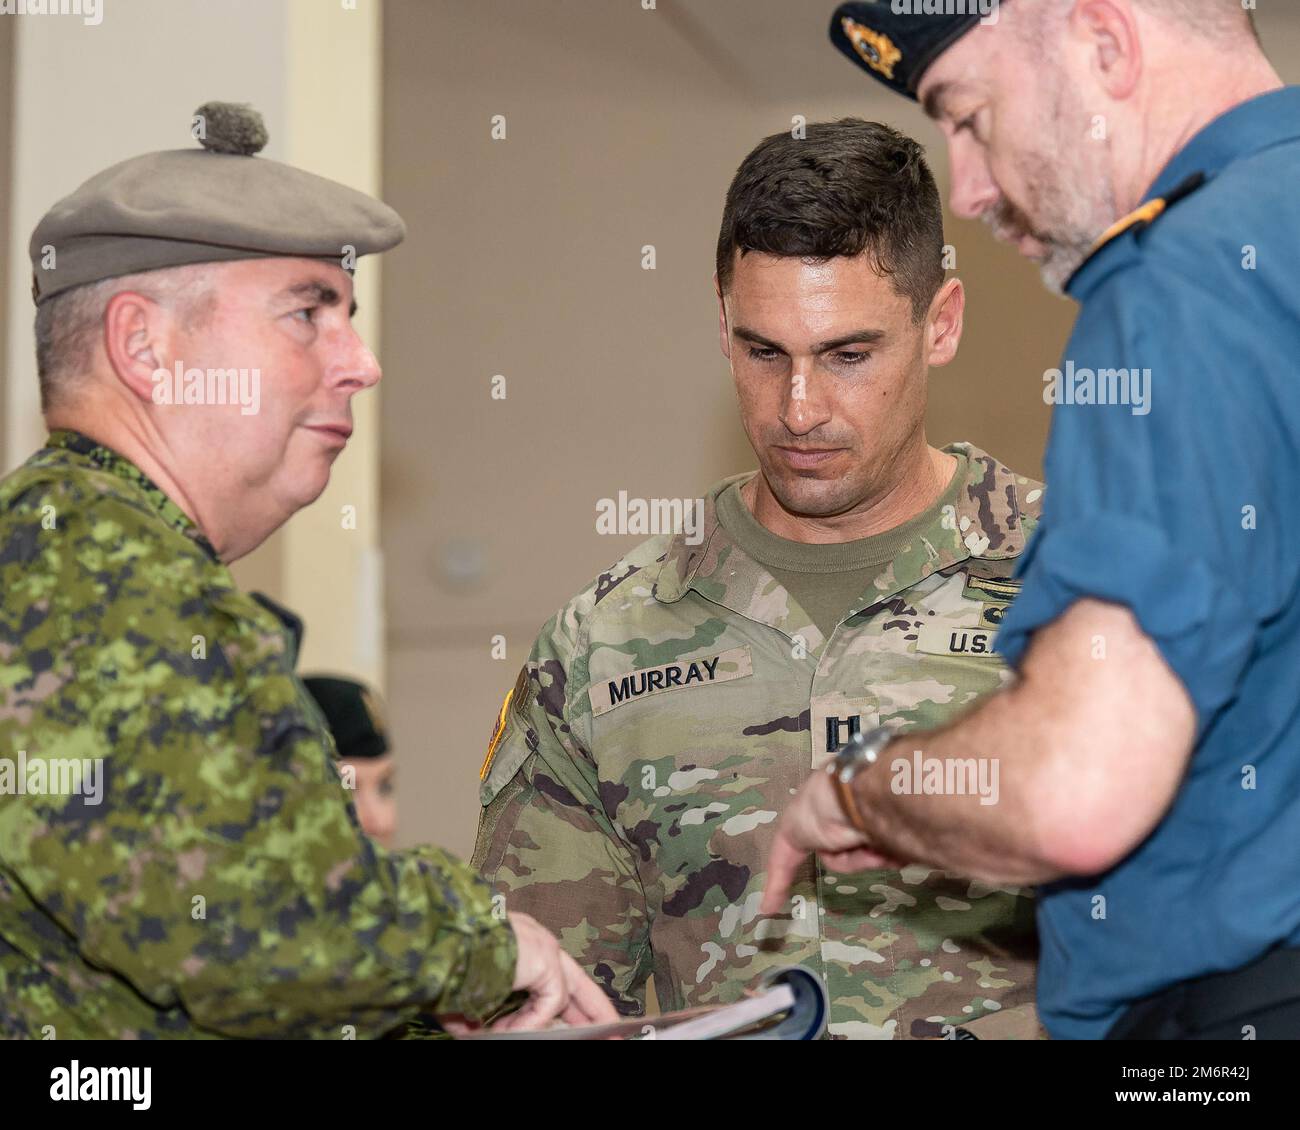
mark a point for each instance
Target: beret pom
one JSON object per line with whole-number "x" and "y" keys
{"x": 230, "y": 127}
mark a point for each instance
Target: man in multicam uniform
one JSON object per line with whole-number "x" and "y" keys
{"x": 668, "y": 712}
{"x": 178, "y": 857}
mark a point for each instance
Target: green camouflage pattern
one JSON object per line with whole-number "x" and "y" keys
{"x": 637, "y": 827}
{"x": 222, "y": 886}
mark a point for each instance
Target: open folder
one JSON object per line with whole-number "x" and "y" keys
{"x": 787, "y": 1004}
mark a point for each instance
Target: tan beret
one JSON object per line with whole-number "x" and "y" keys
{"x": 205, "y": 205}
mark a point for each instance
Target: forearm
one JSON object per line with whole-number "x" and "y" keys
{"x": 987, "y": 830}
{"x": 1087, "y": 750}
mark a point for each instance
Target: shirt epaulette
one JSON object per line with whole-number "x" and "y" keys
{"x": 1142, "y": 217}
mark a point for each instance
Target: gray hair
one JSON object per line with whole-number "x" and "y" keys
{"x": 1209, "y": 17}
{"x": 68, "y": 326}
{"x": 1200, "y": 17}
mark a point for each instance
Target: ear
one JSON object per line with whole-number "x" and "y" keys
{"x": 1108, "y": 31}
{"x": 137, "y": 340}
{"x": 943, "y": 324}
{"x": 724, "y": 335}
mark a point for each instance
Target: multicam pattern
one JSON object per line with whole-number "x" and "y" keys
{"x": 222, "y": 887}
{"x": 638, "y": 830}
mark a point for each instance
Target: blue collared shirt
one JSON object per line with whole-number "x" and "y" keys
{"x": 1180, "y": 498}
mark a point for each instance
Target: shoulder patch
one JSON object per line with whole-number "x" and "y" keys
{"x": 517, "y": 699}
{"x": 521, "y": 698}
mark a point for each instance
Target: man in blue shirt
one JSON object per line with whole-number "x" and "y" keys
{"x": 1147, "y": 156}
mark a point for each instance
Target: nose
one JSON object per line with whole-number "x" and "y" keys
{"x": 353, "y": 365}
{"x": 802, "y": 407}
{"x": 974, "y": 190}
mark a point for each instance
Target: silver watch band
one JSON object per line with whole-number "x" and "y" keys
{"x": 862, "y": 749}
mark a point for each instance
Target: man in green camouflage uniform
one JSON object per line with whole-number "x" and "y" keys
{"x": 178, "y": 857}
{"x": 668, "y": 712}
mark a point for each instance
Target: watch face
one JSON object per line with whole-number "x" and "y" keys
{"x": 866, "y": 746}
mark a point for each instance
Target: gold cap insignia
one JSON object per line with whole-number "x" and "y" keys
{"x": 875, "y": 47}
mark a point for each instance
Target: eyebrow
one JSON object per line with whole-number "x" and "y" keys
{"x": 934, "y": 98}
{"x": 858, "y": 337}
{"x": 316, "y": 292}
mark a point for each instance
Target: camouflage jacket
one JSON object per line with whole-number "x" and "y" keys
{"x": 219, "y": 883}
{"x": 665, "y": 715}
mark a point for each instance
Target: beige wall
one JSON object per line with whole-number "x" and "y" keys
{"x": 624, "y": 128}
{"x": 331, "y": 568}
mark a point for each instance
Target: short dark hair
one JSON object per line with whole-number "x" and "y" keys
{"x": 844, "y": 188}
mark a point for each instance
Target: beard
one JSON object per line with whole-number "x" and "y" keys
{"x": 1068, "y": 226}
{"x": 1071, "y": 200}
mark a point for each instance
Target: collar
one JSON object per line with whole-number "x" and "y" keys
{"x": 1255, "y": 125}
{"x": 106, "y": 459}
{"x": 1261, "y": 123}
{"x": 986, "y": 523}
{"x": 289, "y": 620}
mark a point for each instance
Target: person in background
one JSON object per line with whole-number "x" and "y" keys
{"x": 356, "y": 721}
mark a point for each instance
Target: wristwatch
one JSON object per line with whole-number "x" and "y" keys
{"x": 860, "y": 751}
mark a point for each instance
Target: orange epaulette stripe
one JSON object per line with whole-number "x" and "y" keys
{"x": 1151, "y": 211}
